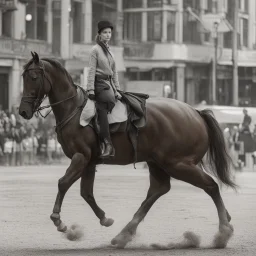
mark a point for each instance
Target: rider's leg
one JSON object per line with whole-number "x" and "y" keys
{"x": 108, "y": 149}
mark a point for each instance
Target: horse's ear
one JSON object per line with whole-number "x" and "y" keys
{"x": 36, "y": 58}
{"x": 33, "y": 55}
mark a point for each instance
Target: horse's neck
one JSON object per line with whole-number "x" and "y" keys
{"x": 60, "y": 94}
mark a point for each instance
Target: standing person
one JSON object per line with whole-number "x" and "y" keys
{"x": 235, "y": 147}
{"x": 246, "y": 121}
{"x": 102, "y": 83}
{"x": 2, "y": 140}
{"x": 254, "y": 136}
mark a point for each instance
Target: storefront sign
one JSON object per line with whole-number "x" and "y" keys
{"x": 140, "y": 50}
{"x": 246, "y": 58}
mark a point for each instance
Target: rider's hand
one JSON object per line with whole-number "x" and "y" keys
{"x": 91, "y": 96}
{"x": 118, "y": 96}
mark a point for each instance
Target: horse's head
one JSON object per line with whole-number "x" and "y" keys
{"x": 36, "y": 86}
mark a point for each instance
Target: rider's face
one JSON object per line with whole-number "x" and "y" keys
{"x": 106, "y": 35}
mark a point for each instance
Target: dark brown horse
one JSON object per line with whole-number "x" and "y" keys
{"x": 173, "y": 143}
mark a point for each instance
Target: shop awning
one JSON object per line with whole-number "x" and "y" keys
{"x": 148, "y": 64}
{"x": 240, "y": 63}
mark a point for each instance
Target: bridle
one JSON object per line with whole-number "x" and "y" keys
{"x": 36, "y": 101}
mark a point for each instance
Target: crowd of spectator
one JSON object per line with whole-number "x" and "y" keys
{"x": 27, "y": 142}
{"x": 241, "y": 141}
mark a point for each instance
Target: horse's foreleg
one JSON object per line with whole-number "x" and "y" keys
{"x": 87, "y": 183}
{"x": 159, "y": 185}
{"x": 72, "y": 174}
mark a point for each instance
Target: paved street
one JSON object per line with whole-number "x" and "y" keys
{"x": 27, "y": 195}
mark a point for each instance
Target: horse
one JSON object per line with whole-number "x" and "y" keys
{"x": 173, "y": 143}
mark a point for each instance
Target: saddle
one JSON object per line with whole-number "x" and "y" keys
{"x": 136, "y": 110}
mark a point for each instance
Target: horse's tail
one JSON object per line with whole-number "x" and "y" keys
{"x": 219, "y": 159}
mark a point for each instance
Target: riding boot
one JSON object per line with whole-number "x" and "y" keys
{"x": 107, "y": 148}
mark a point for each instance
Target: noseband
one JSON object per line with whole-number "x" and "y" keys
{"x": 36, "y": 101}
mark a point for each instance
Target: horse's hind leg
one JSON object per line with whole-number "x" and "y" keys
{"x": 87, "y": 182}
{"x": 72, "y": 174}
{"x": 159, "y": 185}
{"x": 196, "y": 176}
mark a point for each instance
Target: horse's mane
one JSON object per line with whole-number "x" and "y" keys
{"x": 58, "y": 65}
{"x": 55, "y": 63}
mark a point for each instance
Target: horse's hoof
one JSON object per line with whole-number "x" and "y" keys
{"x": 106, "y": 222}
{"x": 114, "y": 241}
{"x": 55, "y": 217}
{"x": 121, "y": 240}
{"x": 226, "y": 229}
{"x": 62, "y": 227}
{"x": 119, "y": 244}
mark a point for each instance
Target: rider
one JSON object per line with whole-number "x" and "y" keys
{"x": 102, "y": 83}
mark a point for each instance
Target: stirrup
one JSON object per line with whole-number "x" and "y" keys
{"x": 111, "y": 154}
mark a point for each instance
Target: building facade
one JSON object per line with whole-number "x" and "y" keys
{"x": 155, "y": 43}
{"x": 24, "y": 26}
{"x": 165, "y": 44}
{"x": 78, "y": 37}
{"x": 63, "y": 29}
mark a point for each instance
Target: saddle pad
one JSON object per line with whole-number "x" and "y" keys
{"x": 118, "y": 114}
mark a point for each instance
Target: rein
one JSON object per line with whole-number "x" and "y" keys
{"x": 36, "y": 101}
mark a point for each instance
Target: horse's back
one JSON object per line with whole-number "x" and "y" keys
{"x": 175, "y": 126}
{"x": 175, "y": 110}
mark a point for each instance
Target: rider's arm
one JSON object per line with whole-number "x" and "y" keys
{"x": 92, "y": 70}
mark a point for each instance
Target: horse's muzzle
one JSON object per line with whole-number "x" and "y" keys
{"x": 23, "y": 114}
{"x": 26, "y": 113}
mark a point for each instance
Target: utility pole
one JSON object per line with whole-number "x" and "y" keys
{"x": 234, "y": 54}
{"x": 215, "y": 56}
{"x": 215, "y": 61}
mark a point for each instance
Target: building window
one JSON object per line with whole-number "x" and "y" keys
{"x": 78, "y": 21}
{"x": 56, "y": 28}
{"x": 7, "y": 24}
{"x": 36, "y": 20}
{"x": 244, "y": 6}
{"x": 244, "y": 32}
{"x": 154, "y": 26}
{"x": 191, "y": 25}
{"x": 230, "y": 11}
{"x": 154, "y": 3}
{"x": 145, "y": 75}
{"x": 195, "y": 4}
{"x": 228, "y": 40}
{"x": 190, "y": 29}
{"x": 171, "y": 17}
{"x": 209, "y": 6}
{"x": 132, "y": 3}
{"x": 132, "y": 26}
